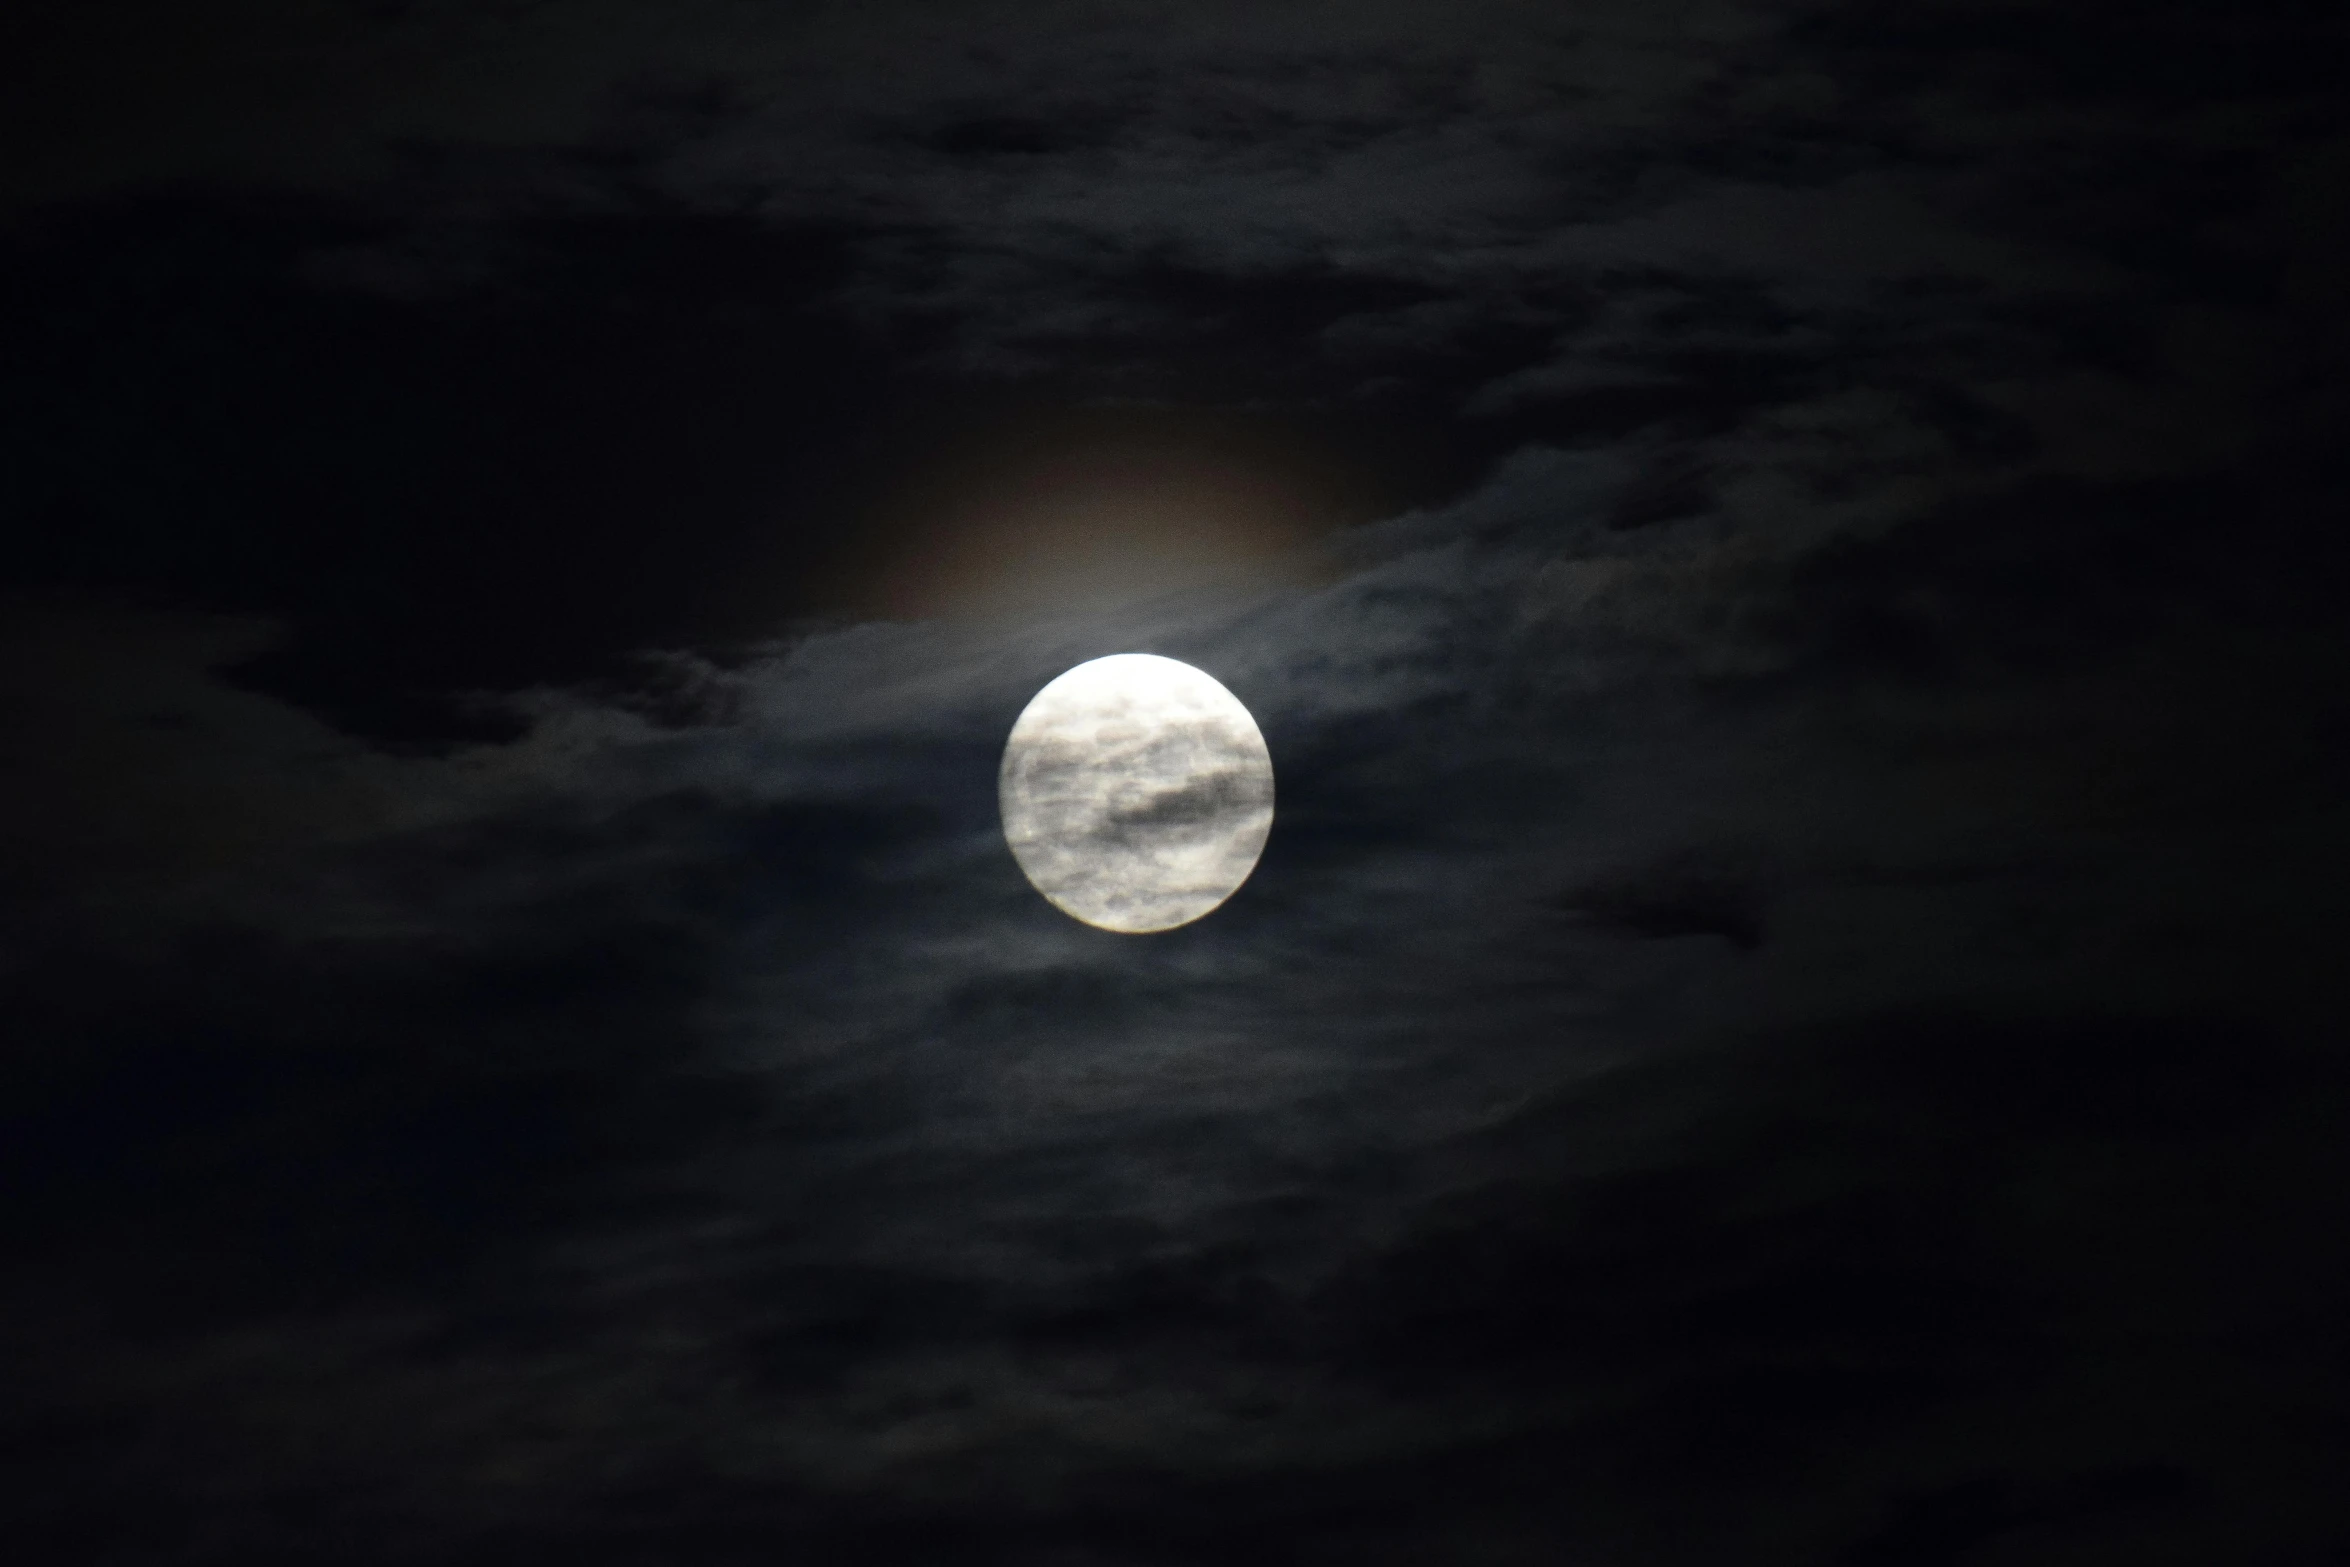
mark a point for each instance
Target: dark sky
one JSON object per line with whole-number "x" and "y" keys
{"x": 1790, "y": 557}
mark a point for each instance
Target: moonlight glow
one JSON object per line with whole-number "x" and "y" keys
{"x": 1137, "y": 793}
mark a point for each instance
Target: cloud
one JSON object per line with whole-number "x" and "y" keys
{"x": 1794, "y": 885}
{"x": 702, "y": 1115}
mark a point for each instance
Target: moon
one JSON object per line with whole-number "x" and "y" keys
{"x": 1137, "y": 793}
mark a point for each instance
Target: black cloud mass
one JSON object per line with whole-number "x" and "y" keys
{"x": 1790, "y": 558}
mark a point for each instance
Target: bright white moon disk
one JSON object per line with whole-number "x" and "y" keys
{"x": 1137, "y": 793}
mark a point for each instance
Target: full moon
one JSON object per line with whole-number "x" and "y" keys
{"x": 1136, "y": 792}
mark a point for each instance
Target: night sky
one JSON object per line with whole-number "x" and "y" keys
{"x": 1790, "y": 556}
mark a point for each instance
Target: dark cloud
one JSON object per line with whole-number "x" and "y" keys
{"x": 1784, "y": 558}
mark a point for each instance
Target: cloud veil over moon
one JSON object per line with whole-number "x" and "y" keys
{"x": 1136, "y": 793}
